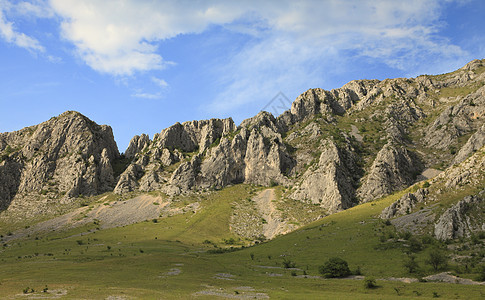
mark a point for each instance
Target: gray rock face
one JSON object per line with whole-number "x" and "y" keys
{"x": 394, "y": 168}
{"x": 404, "y": 205}
{"x": 330, "y": 182}
{"x": 194, "y": 135}
{"x": 256, "y": 154}
{"x": 69, "y": 154}
{"x": 474, "y": 143}
{"x": 147, "y": 170}
{"x": 137, "y": 144}
{"x": 457, "y": 221}
{"x": 456, "y": 120}
{"x": 10, "y": 173}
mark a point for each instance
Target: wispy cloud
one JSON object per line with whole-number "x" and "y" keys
{"x": 10, "y": 34}
{"x": 309, "y": 41}
{"x": 160, "y": 82}
{"x": 147, "y": 95}
{"x": 293, "y": 43}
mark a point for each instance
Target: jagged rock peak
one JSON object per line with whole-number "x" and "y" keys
{"x": 67, "y": 155}
{"x": 137, "y": 143}
{"x": 473, "y": 65}
{"x": 262, "y": 119}
{"x": 194, "y": 135}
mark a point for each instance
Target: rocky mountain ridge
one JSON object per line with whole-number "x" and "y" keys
{"x": 332, "y": 148}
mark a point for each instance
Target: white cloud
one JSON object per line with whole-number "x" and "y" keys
{"x": 10, "y": 34}
{"x": 292, "y": 42}
{"x": 120, "y": 37}
{"x": 160, "y": 82}
{"x": 147, "y": 95}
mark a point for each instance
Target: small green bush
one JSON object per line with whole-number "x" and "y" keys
{"x": 370, "y": 283}
{"x": 335, "y": 267}
{"x": 288, "y": 264}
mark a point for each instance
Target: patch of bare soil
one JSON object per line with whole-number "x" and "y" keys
{"x": 356, "y": 133}
{"x": 428, "y": 174}
{"x": 108, "y": 215}
{"x": 274, "y": 224}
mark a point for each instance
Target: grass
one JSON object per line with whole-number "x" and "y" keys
{"x": 139, "y": 258}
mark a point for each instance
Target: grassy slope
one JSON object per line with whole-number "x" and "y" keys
{"x": 140, "y": 256}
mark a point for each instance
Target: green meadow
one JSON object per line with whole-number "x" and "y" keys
{"x": 195, "y": 255}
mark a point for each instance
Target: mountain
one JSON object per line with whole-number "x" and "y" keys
{"x": 57, "y": 161}
{"x": 333, "y": 148}
{"x": 387, "y": 175}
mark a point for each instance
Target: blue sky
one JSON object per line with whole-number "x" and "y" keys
{"x": 140, "y": 66}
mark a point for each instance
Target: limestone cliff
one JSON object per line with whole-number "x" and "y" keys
{"x": 62, "y": 158}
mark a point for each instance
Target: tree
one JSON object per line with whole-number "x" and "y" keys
{"x": 335, "y": 267}
{"x": 481, "y": 273}
{"x": 411, "y": 264}
{"x": 437, "y": 259}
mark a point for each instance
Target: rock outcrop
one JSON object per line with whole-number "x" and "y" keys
{"x": 331, "y": 181}
{"x": 457, "y": 120}
{"x": 474, "y": 143}
{"x": 68, "y": 155}
{"x": 404, "y": 205}
{"x": 394, "y": 168}
{"x": 457, "y": 221}
{"x": 137, "y": 144}
{"x": 255, "y": 154}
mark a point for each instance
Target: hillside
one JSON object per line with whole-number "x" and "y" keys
{"x": 376, "y": 172}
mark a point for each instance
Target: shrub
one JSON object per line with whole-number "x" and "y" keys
{"x": 437, "y": 259}
{"x": 481, "y": 273}
{"x": 411, "y": 264}
{"x": 288, "y": 264}
{"x": 370, "y": 283}
{"x": 415, "y": 245}
{"x": 358, "y": 271}
{"x": 335, "y": 267}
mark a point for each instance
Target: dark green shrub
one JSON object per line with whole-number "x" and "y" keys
{"x": 370, "y": 283}
{"x": 335, "y": 267}
{"x": 481, "y": 273}
{"x": 415, "y": 245}
{"x": 411, "y": 264}
{"x": 288, "y": 264}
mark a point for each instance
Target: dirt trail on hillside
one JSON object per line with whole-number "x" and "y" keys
{"x": 274, "y": 223}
